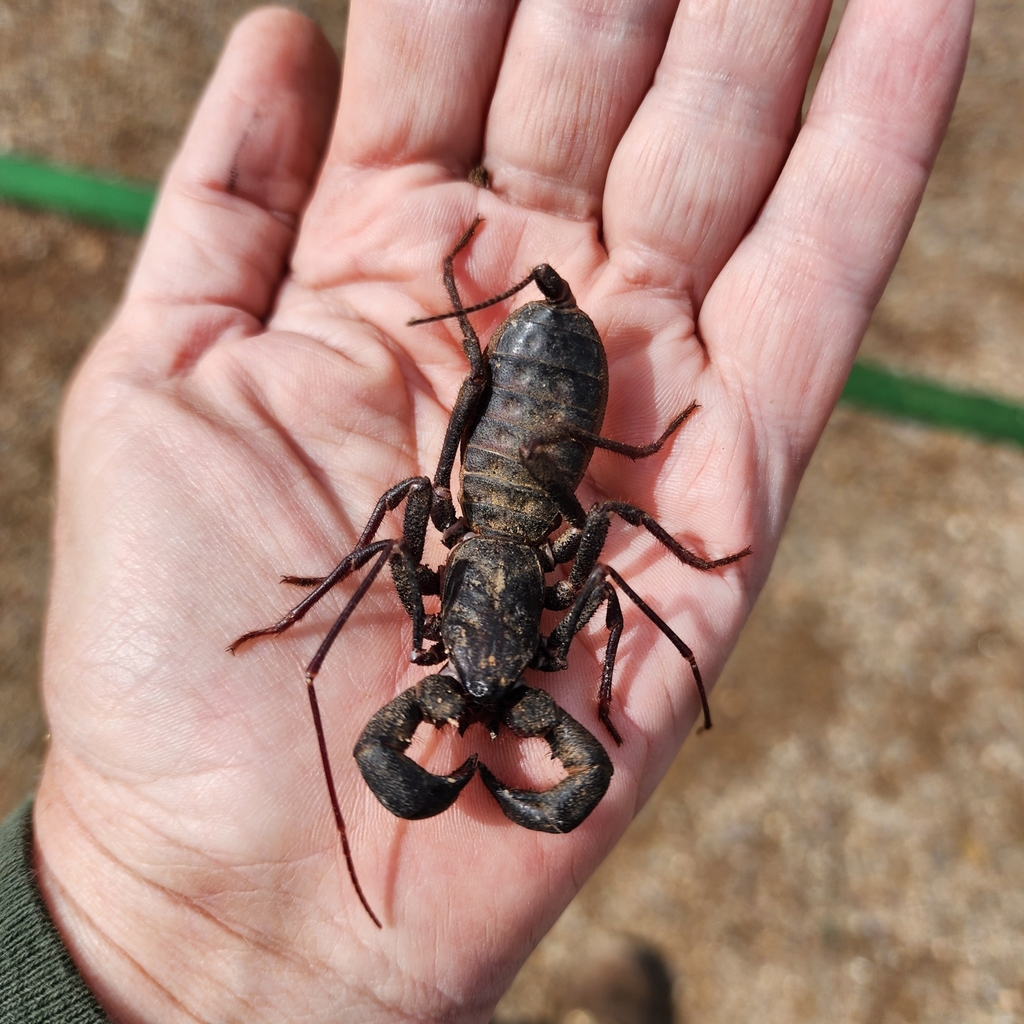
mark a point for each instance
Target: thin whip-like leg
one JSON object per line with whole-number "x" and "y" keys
{"x": 536, "y": 456}
{"x": 567, "y": 432}
{"x": 595, "y": 592}
{"x": 672, "y": 636}
{"x": 592, "y": 536}
{"x": 384, "y": 549}
{"x": 390, "y": 500}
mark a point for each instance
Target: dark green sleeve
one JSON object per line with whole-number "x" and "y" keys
{"x": 38, "y": 981}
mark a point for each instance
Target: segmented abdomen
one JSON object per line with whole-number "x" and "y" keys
{"x": 548, "y": 370}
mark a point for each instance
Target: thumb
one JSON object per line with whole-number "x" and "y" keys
{"x": 225, "y": 222}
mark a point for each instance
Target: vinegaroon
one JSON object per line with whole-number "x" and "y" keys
{"x": 528, "y": 418}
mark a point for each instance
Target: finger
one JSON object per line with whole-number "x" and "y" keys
{"x": 573, "y": 76}
{"x": 708, "y": 142}
{"x": 418, "y": 78}
{"x": 815, "y": 264}
{"x": 225, "y": 220}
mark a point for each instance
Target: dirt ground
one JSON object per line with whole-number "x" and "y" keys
{"x": 846, "y": 844}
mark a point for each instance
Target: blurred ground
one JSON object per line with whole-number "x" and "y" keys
{"x": 846, "y": 844}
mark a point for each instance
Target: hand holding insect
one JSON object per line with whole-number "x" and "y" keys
{"x": 260, "y": 389}
{"x": 527, "y": 421}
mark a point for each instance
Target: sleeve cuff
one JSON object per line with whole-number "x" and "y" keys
{"x": 39, "y": 983}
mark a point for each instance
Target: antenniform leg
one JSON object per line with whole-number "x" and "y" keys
{"x": 417, "y": 490}
{"x": 568, "y": 803}
{"x": 398, "y": 782}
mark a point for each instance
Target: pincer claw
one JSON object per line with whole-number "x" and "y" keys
{"x": 566, "y": 804}
{"x": 399, "y": 783}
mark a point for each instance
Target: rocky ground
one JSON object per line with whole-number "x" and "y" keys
{"x": 846, "y": 844}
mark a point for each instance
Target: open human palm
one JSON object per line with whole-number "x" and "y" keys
{"x": 260, "y": 388}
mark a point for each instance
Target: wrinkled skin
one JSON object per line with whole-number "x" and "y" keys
{"x": 243, "y": 411}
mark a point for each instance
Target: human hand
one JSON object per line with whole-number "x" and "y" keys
{"x": 259, "y": 389}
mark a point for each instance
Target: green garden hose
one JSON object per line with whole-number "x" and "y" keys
{"x": 101, "y": 199}
{"x": 113, "y": 202}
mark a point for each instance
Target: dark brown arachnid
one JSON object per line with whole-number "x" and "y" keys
{"x": 528, "y": 417}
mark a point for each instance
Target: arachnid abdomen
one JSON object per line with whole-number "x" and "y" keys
{"x": 548, "y": 373}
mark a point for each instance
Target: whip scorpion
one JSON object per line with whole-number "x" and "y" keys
{"x": 527, "y": 419}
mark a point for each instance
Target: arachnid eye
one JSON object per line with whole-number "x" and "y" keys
{"x": 478, "y": 687}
